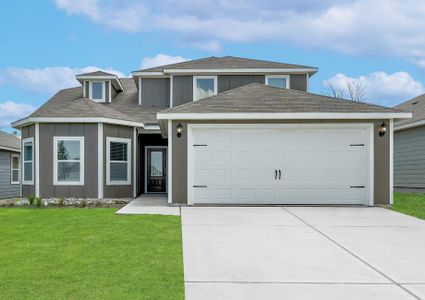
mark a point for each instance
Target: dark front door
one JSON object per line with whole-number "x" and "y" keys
{"x": 156, "y": 172}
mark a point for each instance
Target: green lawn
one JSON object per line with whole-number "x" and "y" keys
{"x": 77, "y": 253}
{"x": 410, "y": 203}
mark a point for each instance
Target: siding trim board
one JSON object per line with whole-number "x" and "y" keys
{"x": 100, "y": 160}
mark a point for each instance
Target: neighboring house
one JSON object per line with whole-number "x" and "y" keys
{"x": 10, "y": 146}
{"x": 409, "y": 147}
{"x": 256, "y": 137}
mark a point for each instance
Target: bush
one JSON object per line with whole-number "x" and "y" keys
{"x": 61, "y": 201}
{"x": 83, "y": 203}
{"x": 31, "y": 199}
{"x": 38, "y": 201}
{"x": 98, "y": 203}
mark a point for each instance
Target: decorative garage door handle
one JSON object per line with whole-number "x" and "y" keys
{"x": 200, "y": 186}
{"x": 357, "y": 145}
{"x": 275, "y": 174}
{"x": 280, "y": 174}
{"x": 357, "y": 186}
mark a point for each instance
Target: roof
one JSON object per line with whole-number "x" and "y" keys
{"x": 227, "y": 62}
{"x": 260, "y": 98}
{"x": 97, "y": 73}
{"x": 101, "y": 75}
{"x": 9, "y": 141}
{"x": 417, "y": 107}
{"x": 70, "y": 103}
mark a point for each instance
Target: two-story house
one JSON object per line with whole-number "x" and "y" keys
{"x": 224, "y": 130}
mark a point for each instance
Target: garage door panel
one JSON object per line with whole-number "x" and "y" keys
{"x": 318, "y": 165}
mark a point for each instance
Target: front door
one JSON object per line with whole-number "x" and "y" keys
{"x": 156, "y": 170}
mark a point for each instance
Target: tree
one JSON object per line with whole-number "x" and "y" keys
{"x": 355, "y": 89}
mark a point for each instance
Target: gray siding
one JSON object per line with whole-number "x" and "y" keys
{"x": 228, "y": 82}
{"x": 7, "y": 190}
{"x": 381, "y": 158}
{"x": 409, "y": 158}
{"x": 298, "y": 82}
{"x": 155, "y": 92}
{"x": 28, "y": 131}
{"x": 182, "y": 89}
{"x": 117, "y": 191}
{"x": 47, "y": 188}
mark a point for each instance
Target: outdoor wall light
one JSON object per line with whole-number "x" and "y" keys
{"x": 383, "y": 129}
{"x": 179, "y": 130}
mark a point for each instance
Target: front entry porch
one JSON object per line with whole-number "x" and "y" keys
{"x": 155, "y": 204}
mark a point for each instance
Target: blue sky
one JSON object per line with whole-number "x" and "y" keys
{"x": 379, "y": 43}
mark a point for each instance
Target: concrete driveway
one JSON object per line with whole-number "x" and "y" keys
{"x": 302, "y": 253}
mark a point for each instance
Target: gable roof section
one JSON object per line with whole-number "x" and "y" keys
{"x": 226, "y": 62}
{"x": 417, "y": 107}
{"x": 254, "y": 99}
{"x": 9, "y": 142}
{"x": 69, "y": 104}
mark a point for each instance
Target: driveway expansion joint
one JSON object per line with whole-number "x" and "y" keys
{"x": 351, "y": 253}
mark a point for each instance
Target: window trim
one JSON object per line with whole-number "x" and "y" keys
{"x": 24, "y": 141}
{"x": 287, "y": 77}
{"x": 55, "y": 159}
{"x": 12, "y": 156}
{"x": 195, "y": 78}
{"x": 108, "y": 161}
{"x": 103, "y": 91}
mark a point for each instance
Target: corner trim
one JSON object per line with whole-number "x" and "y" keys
{"x": 135, "y": 143}
{"x": 170, "y": 162}
{"x": 37, "y": 159}
{"x": 391, "y": 161}
{"x": 100, "y": 160}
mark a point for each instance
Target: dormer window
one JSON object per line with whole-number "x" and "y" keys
{"x": 97, "y": 91}
{"x": 279, "y": 81}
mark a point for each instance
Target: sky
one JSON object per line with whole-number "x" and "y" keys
{"x": 378, "y": 43}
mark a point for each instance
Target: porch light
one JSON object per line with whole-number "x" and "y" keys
{"x": 383, "y": 129}
{"x": 179, "y": 130}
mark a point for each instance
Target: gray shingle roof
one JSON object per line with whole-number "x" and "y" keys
{"x": 416, "y": 106}
{"x": 9, "y": 141}
{"x": 260, "y": 98}
{"x": 70, "y": 103}
{"x": 226, "y": 62}
{"x": 97, "y": 73}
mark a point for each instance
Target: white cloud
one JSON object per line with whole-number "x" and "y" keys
{"x": 11, "y": 111}
{"x": 373, "y": 27}
{"x": 47, "y": 80}
{"x": 381, "y": 88}
{"x": 160, "y": 60}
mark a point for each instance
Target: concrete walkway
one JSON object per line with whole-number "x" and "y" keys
{"x": 151, "y": 205}
{"x": 302, "y": 253}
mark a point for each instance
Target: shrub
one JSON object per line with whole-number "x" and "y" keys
{"x": 38, "y": 201}
{"x": 31, "y": 199}
{"x": 83, "y": 203}
{"x": 98, "y": 203}
{"x": 11, "y": 203}
{"x": 61, "y": 201}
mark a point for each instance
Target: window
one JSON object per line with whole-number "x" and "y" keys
{"x": 14, "y": 169}
{"x": 118, "y": 168}
{"x": 28, "y": 162}
{"x": 97, "y": 91}
{"x": 68, "y": 160}
{"x": 279, "y": 81}
{"x": 204, "y": 86}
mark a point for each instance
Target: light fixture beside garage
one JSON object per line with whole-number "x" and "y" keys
{"x": 383, "y": 129}
{"x": 179, "y": 130}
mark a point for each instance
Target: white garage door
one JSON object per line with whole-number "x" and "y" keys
{"x": 280, "y": 164}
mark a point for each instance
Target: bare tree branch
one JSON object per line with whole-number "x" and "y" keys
{"x": 335, "y": 92}
{"x": 356, "y": 90}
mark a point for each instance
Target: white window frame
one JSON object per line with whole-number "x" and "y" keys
{"x": 56, "y": 161}
{"x": 195, "y": 78}
{"x": 24, "y": 141}
{"x": 108, "y": 160}
{"x": 103, "y": 91}
{"x": 278, "y": 76}
{"x": 12, "y": 156}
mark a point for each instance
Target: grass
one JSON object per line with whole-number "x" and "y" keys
{"x": 410, "y": 203}
{"x": 89, "y": 254}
